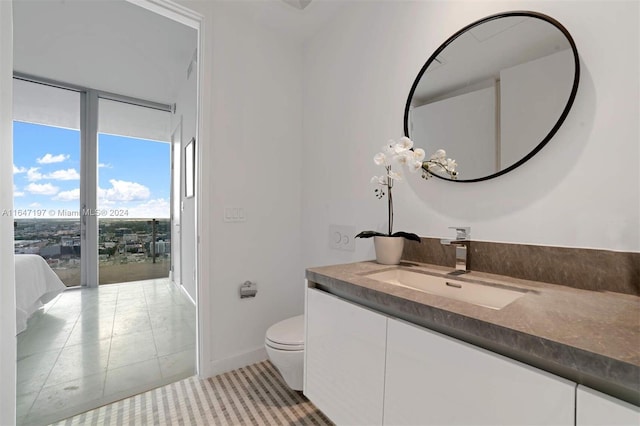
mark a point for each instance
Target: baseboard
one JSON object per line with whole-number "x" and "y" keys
{"x": 186, "y": 293}
{"x": 234, "y": 362}
{"x": 182, "y": 289}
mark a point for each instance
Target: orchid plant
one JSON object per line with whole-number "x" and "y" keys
{"x": 402, "y": 153}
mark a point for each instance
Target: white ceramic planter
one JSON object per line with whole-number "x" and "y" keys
{"x": 388, "y": 249}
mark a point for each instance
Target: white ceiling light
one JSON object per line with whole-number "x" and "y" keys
{"x": 298, "y": 4}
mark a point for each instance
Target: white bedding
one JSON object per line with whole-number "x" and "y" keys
{"x": 36, "y": 284}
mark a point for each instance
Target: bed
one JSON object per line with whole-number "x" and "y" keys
{"x": 36, "y": 284}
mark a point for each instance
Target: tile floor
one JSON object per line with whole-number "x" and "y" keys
{"x": 89, "y": 347}
{"x": 252, "y": 395}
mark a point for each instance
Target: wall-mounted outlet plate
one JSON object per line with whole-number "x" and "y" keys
{"x": 342, "y": 237}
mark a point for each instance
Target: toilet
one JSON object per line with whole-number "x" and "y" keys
{"x": 284, "y": 343}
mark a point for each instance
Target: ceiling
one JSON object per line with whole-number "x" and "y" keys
{"x": 119, "y": 47}
{"x": 284, "y": 17}
{"x": 112, "y": 46}
{"x": 483, "y": 52}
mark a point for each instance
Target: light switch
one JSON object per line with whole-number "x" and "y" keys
{"x": 234, "y": 214}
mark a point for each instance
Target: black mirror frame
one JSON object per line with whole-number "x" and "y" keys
{"x": 565, "y": 111}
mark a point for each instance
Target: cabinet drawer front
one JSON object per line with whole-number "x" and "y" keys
{"x": 344, "y": 359}
{"x": 432, "y": 379}
{"x": 597, "y": 409}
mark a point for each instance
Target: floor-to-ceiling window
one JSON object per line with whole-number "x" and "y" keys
{"x": 134, "y": 192}
{"x": 46, "y": 169}
{"x": 93, "y": 196}
{"x": 121, "y": 220}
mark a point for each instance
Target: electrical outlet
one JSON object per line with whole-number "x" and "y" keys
{"x": 342, "y": 237}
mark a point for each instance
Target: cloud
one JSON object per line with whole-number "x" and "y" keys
{"x": 69, "y": 174}
{"x": 49, "y": 158}
{"x": 17, "y": 193}
{"x": 122, "y": 190}
{"x": 42, "y": 189}
{"x": 156, "y": 209}
{"x": 35, "y": 205}
{"x": 33, "y": 174}
{"x": 71, "y": 195}
{"x": 17, "y": 170}
{"x": 105, "y": 166}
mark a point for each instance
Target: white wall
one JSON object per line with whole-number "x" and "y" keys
{"x": 358, "y": 72}
{"x": 439, "y": 124}
{"x": 250, "y": 151}
{"x": 7, "y": 288}
{"x": 532, "y": 97}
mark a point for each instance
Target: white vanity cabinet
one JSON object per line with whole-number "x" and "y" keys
{"x": 432, "y": 379}
{"x": 344, "y": 359}
{"x": 594, "y": 408}
{"x": 365, "y": 368}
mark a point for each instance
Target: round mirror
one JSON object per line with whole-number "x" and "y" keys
{"x": 494, "y": 93}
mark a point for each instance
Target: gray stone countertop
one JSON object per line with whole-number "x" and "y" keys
{"x": 592, "y": 338}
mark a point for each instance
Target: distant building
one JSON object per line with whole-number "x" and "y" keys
{"x": 162, "y": 247}
{"x": 120, "y": 232}
{"x": 27, "y": 250}
{"x": 69, "y": 241}
{"x": 129, "y": 238}
{"x": 54, "y": 251}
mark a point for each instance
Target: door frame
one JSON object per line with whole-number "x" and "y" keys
{"x": 176, "y": 204}
{"x": 7, "y": 270}
{"x": 8, "y": 355}
{"x": 195, "y": 20}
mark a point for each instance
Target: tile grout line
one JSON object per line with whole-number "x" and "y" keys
{"x": 53, "y": 365}
{"x": 119, "y": 296}
{"x": 153, "y": 334}
{"x": 113, "y": 321}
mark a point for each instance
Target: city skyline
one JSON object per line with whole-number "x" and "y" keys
{"x": 125, "y": 251}
{"x": 133, "y": 177}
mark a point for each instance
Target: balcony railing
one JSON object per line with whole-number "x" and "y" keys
{"x": 128, "y": 250}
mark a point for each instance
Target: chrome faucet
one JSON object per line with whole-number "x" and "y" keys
{"x": 463, "y": 237}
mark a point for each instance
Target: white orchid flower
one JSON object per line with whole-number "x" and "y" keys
{"x": 404, "y": 144}
{"x": 380, "y": 159}
{"x": 402, "y": 153}
{"x": 395, "y": 175}
{"x": 451, "y": 164}
{"x": 379, "y": 180}
{"x": 415, "y": 166}
{"x": 418, "y": 155}
{"x": 404, "y": 158}
{"x": 439, "y": 155}
{"x": 389, "y": 148}
{"x": 435, "y": 166}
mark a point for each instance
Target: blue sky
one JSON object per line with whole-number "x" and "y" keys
{"x": 133, "y": 175}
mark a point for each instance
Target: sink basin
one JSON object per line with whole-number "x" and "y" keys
{"x": 478, "y": 294}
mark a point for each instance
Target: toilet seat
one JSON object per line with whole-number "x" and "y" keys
{"x": 287, "y": 335}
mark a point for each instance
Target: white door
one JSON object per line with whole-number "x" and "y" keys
{"x": 176, "y": 203}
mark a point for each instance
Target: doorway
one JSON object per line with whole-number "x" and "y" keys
{"x": 150, "y": 292}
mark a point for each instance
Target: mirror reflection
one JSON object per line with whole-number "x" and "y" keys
{"x": 494, "y": 93}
